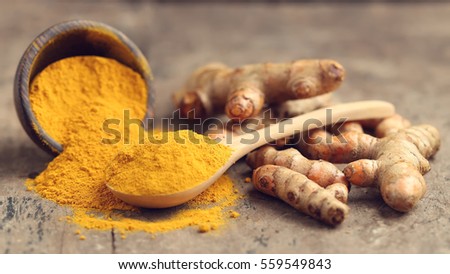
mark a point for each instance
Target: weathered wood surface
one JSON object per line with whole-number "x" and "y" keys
{"x": 399, "y": 53}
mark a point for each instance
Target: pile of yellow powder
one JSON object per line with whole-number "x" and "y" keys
{"x": 182, "y": 160}
{"x": 71, "y": 99}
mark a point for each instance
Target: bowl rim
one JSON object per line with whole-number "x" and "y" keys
{"x": 22, "y": 79}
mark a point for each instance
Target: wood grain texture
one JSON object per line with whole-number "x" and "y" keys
{"x": 398, "y": 53}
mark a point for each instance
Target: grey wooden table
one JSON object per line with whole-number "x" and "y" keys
{"x": 400, "y": 53}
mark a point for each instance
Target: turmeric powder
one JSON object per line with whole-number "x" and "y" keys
{"x": 208, "y": 210}
{"x": 184, "y": 160}
{"x": 71, "y": 98}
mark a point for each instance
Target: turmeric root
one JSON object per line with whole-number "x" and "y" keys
{"x": 323, "y": 173}
{"x": 348, "y": 145}
{"x": 297, "y": 107}
{"x": 395, "y": 164}
{"x": 232, "y": 128}
{"x": 398, "y": 165}
{"x": 291, "y": 108}
{"x": 300, "y": 192}
{"x": 244, "y": 91}
{"x": 386, "y": 126}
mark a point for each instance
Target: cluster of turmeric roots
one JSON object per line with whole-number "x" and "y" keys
{"x": 392, "y": 158}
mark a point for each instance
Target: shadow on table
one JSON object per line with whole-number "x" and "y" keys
{"x": 273, "y": 206}
{"x": 24, "y": 159}
{"x": 366, "y": 200}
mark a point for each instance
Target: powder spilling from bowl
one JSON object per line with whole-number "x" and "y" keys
{"x": 71, "y": 99}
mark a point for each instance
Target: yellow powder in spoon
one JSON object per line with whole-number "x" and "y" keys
{"x": 178, "y": 161}
{"x": 71, "y": 99}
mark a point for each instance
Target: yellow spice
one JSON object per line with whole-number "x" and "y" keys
{"x": 184, "y": 160}
{"x": 234, "y": 214}
{"x": 71, "y": 99}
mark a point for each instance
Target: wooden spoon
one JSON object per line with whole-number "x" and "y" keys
{"x": 242, "y": 145}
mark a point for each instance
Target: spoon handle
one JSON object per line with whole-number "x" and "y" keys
{"x": 318, "y": 118}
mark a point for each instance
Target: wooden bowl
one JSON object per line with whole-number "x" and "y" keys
{"x": 72, "y": 38}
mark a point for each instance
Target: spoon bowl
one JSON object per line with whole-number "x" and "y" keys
{"x": 67, "y": 39}
{"x": 242, "y": 145}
